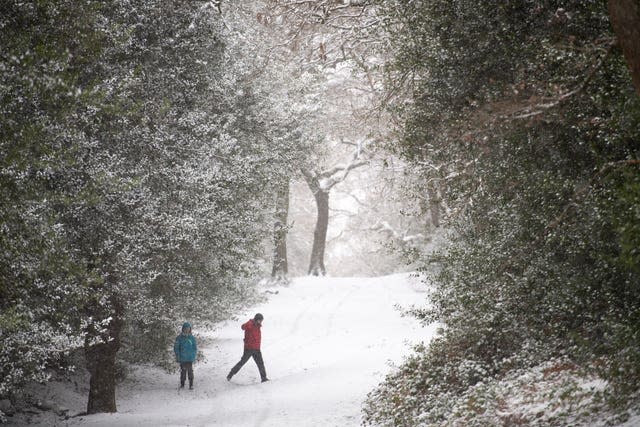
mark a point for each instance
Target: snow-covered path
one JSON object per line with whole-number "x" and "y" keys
{"x": 326, "y": 342}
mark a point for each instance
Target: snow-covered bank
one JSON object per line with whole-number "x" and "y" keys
{"x": 326, "y": 343}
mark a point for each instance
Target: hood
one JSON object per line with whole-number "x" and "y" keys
{"x": 185, "y": 326}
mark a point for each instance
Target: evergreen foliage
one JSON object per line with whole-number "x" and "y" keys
{"x": 525, "y": 116}
{"x": 43, "y": 286}
{"x": 137, "y": 162}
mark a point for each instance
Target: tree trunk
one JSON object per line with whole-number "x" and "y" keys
{"x": 625, "y": 19}
{"x": 316, "y": 266}
{"x": 434, "y": 205}
{"x": 101, "y": 361}
{"x": 320, "y": 192}
{"x": 280, "y": 264}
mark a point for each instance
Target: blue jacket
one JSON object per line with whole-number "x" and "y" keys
{"x": 185, "y": 346}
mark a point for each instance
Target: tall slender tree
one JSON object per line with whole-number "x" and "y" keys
{"x": 280, "y": 267}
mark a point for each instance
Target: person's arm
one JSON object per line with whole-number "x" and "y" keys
{"x": 176, "y": 348}
{"x": 195, "y": 346}
{"x": 246, "y": 326}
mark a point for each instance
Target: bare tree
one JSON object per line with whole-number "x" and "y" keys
{"x": 329, "y": 40}
{"x": 320, "y": 184}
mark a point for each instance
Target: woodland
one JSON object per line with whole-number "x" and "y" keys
{"x": 151, "y": 153}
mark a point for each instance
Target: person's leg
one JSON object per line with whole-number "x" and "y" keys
{"x": 245, "y": 356}
{"x": 183, "y": 373}
{"x": 257, "y": 357}
{"x": 190, "y": 373}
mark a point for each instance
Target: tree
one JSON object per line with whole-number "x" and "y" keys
{"x": 280, "y": 265}
{"x": 524, "y": 114}
{"x": 139, "y": 212}
{"x": 292, "y": 89}
{"x": 625, "y": 18}
{"x": 320, "y": 183}
{"x": 43, "y": 286}
{"x": 322, "y": 39}
{"x": 215, "y": 148}
{"x": 147, "y": 191}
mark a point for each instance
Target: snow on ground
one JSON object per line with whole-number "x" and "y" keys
{"x": 326, "y": 342}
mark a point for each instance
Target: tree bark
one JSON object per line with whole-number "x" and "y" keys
{"x": 434, "y": 205}
{"x": 280, "y": 264}
{"x": 101, "y": 361}
{"x": 316, "y": 266}
{"x": 625, "y": 19}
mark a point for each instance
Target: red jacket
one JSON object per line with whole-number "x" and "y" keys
{"x": 252, "y": 335}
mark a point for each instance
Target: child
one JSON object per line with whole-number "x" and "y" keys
{"x": 186, "y": 349}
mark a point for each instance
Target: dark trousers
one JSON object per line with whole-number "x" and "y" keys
{"x": 257, "y": 357}
{"x": 186, "y": 368}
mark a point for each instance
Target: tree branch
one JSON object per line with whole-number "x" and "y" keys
{"x": 538, "y": 109}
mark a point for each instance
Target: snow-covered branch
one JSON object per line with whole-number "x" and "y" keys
{"x": 329, "y": 178}
{"x": 402, "y": 237}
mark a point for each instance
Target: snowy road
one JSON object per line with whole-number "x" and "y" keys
{"x": 326, "y": 342}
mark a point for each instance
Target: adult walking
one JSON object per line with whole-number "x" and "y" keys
{"x": 252, "y": 338}
{"x": 186, "y": 350}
